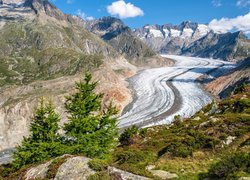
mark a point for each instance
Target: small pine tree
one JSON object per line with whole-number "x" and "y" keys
{"x": 44, "y": 141}
{"x": 90, "y": 129}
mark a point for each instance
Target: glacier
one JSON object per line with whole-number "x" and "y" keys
{"x": 160, "y": 94}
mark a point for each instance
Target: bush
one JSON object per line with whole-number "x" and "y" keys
{"x": 100, "y": 176}
{"x": 126, "y": 138}
{"x": 134, "y": 156}
{"x": 98, "y": 164}
{"x": 134, "y": 160}
{"x": 229, "y": 166}
{"x": 178, "y": 149}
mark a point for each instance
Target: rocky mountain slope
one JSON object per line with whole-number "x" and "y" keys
{"x": 229, "y": 46}
{"x": 226, "y": 84}
{"x": 194, "y": 39}
{"x": 121, "y": 38}
{"x": 42, "y": 53}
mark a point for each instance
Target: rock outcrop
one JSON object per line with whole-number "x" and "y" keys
{"x": 74, "y": 168}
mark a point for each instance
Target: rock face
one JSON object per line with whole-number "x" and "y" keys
{"x": 229, "y": 46}
{"x": 225, "y": 84}
{"x": 194, "y": 39}
{"x": 121, "y": 38}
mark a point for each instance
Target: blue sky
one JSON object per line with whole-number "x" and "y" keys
{"x": 159, "y": 11}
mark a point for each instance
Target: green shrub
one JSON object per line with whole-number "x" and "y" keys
{"x": 98, "y": 164}
{"x": 134, "y": 156}
{"x": 126, "y": 138}
{"x": 100, "y": 176}
{"x": 134, "y": 160}
{"x": 230, "y": 165}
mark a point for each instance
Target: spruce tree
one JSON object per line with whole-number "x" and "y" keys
{"x": 91, "y": 130}
{"x": 43, "y": 141}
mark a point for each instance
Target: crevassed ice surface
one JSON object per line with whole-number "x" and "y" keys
{"x": 156, "y": 90}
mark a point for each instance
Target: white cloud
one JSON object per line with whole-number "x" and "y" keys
{"x": 243, "y": 3}
{"x": 69, "y": 1}
{"x": 239, "y": 23}
{"x": 216, "y": 3}
{"x": 90, "y": 18}
{"x": 81, "y": 14}
{"x": 124, "y": 10}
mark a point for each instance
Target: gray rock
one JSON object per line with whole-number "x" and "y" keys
{"x": 160, "y": 173}
{"x": 38, "y": 172}
{"x": 123, "y": 175}
{"x": 75, "y": 168}
{"x": 197, "y": 118}
{"x": 229, "y": 140}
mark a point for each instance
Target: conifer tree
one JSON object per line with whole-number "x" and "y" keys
{"x": 43, "y": 141}
{"x": 91, "y": 130}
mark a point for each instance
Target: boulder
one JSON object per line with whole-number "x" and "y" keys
{"x": 75, "y": 168}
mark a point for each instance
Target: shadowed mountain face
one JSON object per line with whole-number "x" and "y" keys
{"x": 226, "y": 84}
{"x": 121, "y": 38}
{"x": 229, "y": 46}
{"x": 195, "y": 40}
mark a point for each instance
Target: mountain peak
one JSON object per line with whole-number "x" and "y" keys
{"x": 188, "y": 25}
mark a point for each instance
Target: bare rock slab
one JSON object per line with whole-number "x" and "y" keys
{"x": 75, "y": 168}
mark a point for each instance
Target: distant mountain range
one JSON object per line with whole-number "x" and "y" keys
{"x": 194, "y": 39}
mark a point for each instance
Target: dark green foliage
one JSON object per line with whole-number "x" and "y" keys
{"x": 126, "y": 138}
{"x": 98, "y": 164}
{"x": 134, "y": 156}
{"x": 43, "y": 142}
{"x": 236, "y": 106}
{"x": 100, "y": 176}
{"x": 134, "y": 160}
{"x": 230, "y": 165}
{"x": 187, "y": 142}
{"x": 240, "y": 89}
{"x": 91, "y": 129}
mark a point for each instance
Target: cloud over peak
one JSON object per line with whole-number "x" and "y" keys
{"x": 124, "y": 10}
{"x": 239, "y": 23}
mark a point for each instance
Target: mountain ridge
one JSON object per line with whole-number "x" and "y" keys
{"x": 184, "y": 39}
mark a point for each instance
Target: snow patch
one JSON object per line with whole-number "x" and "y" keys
{"x": 203, "y": 29}
{"x": 175, "y": 33}
{"x": 187, "y": 33}
{"x": 166, "y": 32}
{"x": 156, "y": 33}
